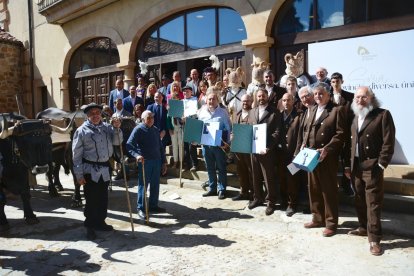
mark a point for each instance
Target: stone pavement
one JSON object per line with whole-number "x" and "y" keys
{"x": 197, "y": 236}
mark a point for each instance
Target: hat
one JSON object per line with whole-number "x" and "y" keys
{"x": 90, "y": 106}
{"x": 165, "y": 77}
{"x": 187, "y": 87}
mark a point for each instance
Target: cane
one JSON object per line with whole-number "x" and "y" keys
{"x": 181, "y": 156}
{"x": 125, "y": 182}
{"x": 145, "y": 193}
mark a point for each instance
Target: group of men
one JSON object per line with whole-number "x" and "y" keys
{"x": 323, "y": 117}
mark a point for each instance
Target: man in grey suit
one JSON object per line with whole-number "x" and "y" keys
{"x": 118, "y": 93}
{"x": 194, "y": 81}
{"x": 372, "y": 147}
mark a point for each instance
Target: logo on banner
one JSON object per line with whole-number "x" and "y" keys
{"x": 365, "y": 54}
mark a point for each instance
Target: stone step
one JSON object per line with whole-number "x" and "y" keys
{"x": 232, "y": 179}
{"x": 399, "y": 186}
{"x": 400, "y": 171}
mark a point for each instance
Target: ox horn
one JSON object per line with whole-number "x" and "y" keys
{"x": 64, "y": 130}
{"x": 5, "y": 131}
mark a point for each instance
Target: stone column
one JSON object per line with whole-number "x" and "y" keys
{"x": 129, "y": 76}
{"x": 258, "y": 47}
{"x": 64, "y": 90}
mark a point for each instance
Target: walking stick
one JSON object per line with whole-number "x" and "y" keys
{"x": 125, "y": 182}
{"x": 145, "y": 194}
{"x": 181, "y": 157}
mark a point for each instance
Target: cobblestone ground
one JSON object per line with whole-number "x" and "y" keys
{"x": 197, "y": 236}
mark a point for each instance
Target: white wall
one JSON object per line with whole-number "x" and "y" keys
{"x": 383, "y": 62}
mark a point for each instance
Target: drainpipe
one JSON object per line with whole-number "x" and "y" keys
{"x": 30, "y": 11}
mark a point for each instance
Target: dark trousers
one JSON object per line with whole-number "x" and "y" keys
{"x": 190, "y": 155}
{"x": 263, "y": 168}
{"x": 244, "y": 170}
{"x": 323, "y": 192}
{"x": 289, "y": 185}
{"x": 96, "y": 206}
{"x": 369, "y": 188}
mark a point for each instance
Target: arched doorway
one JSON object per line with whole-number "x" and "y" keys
{"x": 93, "y": 72}
{"x": 186, "y": 40}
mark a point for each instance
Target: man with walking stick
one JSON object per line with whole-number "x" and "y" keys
{"x": 92, "y": 147}
{"x": 145, "y": 145}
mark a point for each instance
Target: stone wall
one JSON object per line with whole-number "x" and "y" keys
{"x": 10, "y": 76}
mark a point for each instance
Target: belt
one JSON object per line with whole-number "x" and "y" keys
{"x": 104, "y": 164}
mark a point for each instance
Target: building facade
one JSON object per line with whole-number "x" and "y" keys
{"x": 74, "y": 50}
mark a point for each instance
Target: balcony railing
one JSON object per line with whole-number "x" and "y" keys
{"x": 44, "y": 4}
{"x": 62, "y": 11}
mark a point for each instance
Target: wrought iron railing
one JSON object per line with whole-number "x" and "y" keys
{"x": 44, "y": 4}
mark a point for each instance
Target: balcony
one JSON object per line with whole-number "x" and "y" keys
{"x": 62, "y": 11}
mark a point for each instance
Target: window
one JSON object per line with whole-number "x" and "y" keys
{"x": 192, "y": 30}
{"x": 95, "y": 53}
{"x": 305, "y": 15}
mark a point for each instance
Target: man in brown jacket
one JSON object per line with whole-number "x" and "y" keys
{"x": 244, "y": 166}
{"x": 372, "y": 147}
{"x": 263, "y": 164}
{"x": 323, "y": 130}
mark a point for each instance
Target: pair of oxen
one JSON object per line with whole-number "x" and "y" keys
{"x": 26, "y": 149}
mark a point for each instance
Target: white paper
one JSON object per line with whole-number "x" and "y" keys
{"x": 210, "y": 133}
{"x": 259, "y": 138}
{"x": 292, "y": 168}
{"x": 190, "y": 107}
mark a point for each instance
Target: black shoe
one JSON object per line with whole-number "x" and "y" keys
{"x": 253, "y": 204}
{"x": 306, "y": 210}
{"x": 270, "y": 210}
{"x": 290, "y": 211}
{"x": 221, "y": 195}
{"x": 119, "y": 176}
{"x": 141, "y": 215}
{"x": 104, "y": 227}
{"x": 158, "y": 210}
{"x": 90, "y": 234}
{"x": 210, "y": 193}
{"x": 240, "y": 197}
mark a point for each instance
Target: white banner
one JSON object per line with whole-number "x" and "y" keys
{"x": 385, "y": 63}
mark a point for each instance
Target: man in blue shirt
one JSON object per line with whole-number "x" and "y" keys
{"x": 145, "y": 145}
{"x": 214, "y": 156}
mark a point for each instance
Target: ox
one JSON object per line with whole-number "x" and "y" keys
{"x": 62, "y": 152}
{"x": 25, "y": 147}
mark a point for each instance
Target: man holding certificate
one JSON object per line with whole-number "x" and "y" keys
{"x": 263, "y": 164}
{"x": 323, "y": 130}
{"x": 215, "y": 156}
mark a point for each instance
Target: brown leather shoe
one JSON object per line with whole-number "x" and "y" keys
{"x": 375, "y": 249}
{"x": 358, "y": 232}
{"x": 313, "y": 224}
{"x": 328, "y": 232}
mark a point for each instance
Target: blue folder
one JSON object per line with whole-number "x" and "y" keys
{"x": 307, "y": 159}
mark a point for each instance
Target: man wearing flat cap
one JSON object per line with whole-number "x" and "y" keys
{"x": 92, "y": 147}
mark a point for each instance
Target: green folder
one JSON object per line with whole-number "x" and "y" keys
{"x": 192, "y": 130}
{"x": 176, "y": 108}
{"x": 242, "y": 138}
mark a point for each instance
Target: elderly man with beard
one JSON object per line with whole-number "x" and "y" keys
{"x": 263, "y": 164}
{"x": 372, "y": 147}
{"x": 323, "y": 130}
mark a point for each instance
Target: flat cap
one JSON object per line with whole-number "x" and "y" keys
{"x": 187, "y": 87}
{"x": 90, "y": 106}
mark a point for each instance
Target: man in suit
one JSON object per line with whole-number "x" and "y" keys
{"x": 263, "y": 164}
{"x": 372, "y": 147}
{"x": 118, "y": 93}
{"x": 132, "y": 100}
{"x": 160, "y": 115}
{"x": 274, "y": 91}
{"x": 193, "y": 83}
{"x": 244, "y": 166}
{"x": 343, "y": 98}
{"x": 323, "y": 130}
{"x": 289, "y": 184}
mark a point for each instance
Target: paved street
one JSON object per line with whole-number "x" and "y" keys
{"x": 198, "y": 236}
